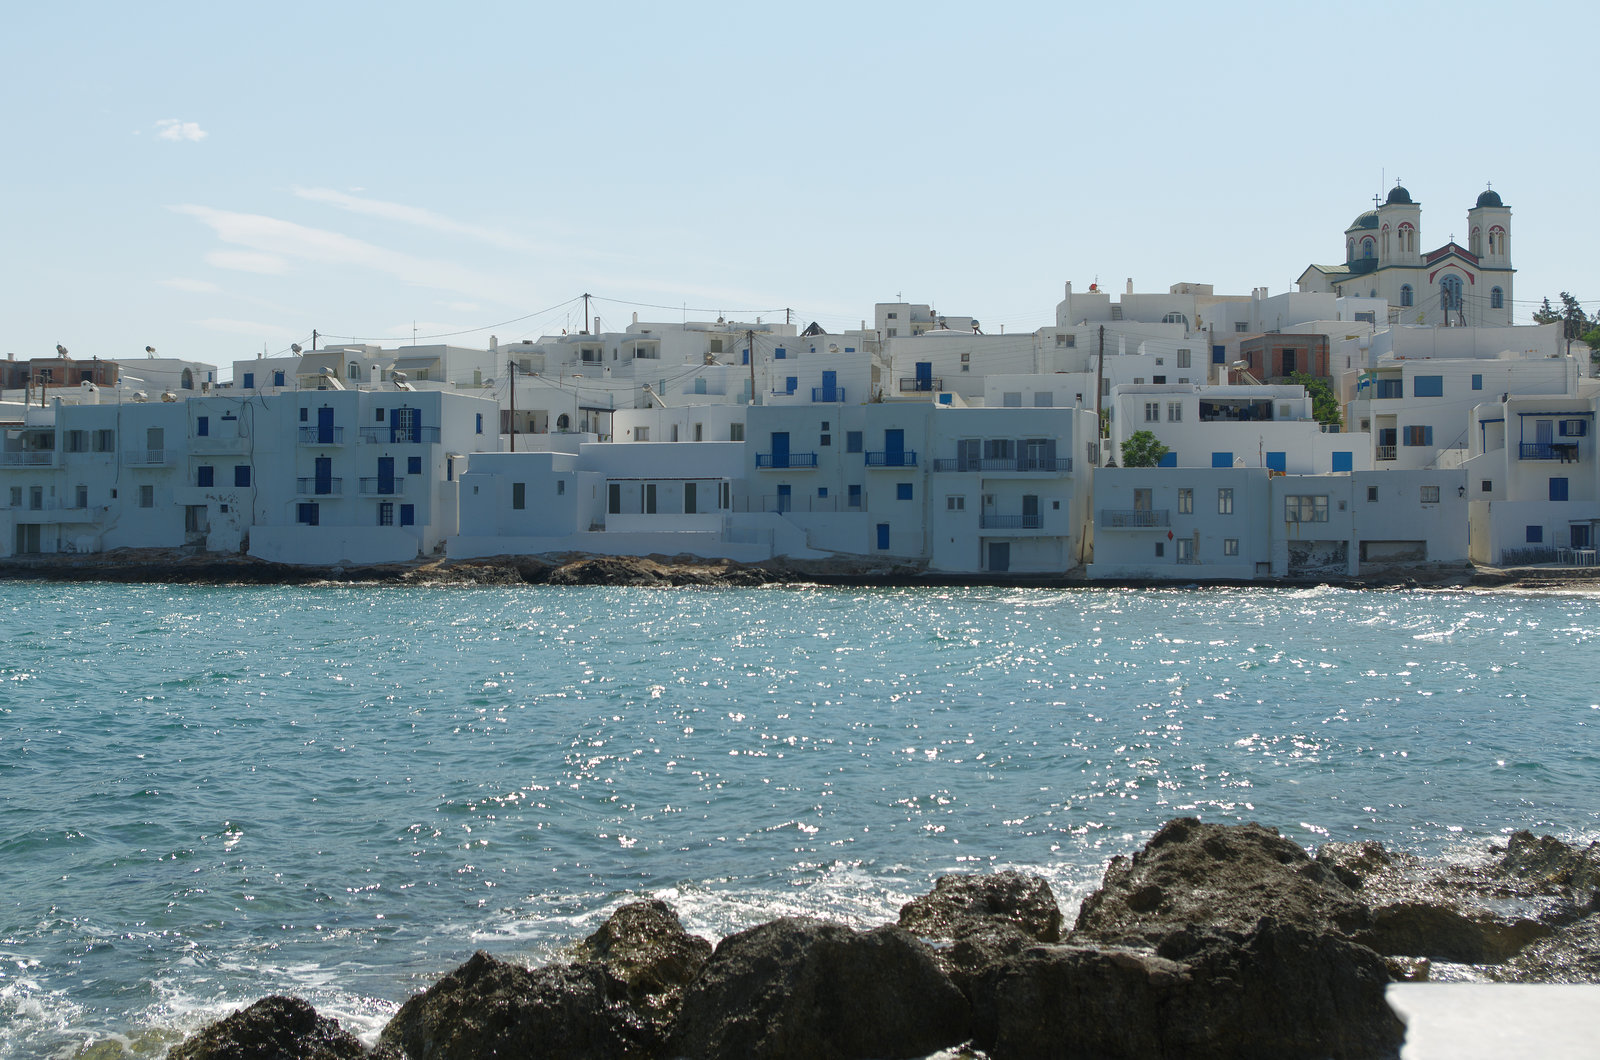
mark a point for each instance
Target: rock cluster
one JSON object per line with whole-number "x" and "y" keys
{"x": 1211, "y": 941}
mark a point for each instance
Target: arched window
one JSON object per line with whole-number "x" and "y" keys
{"x": 1497, "y": 240}
{"x": 1175, "y": 318}
{"x": 1350, "y": 250}
{"x": 1368, "y": 247}
{"x": 187, "y": 381}
{"x": 563, "y": 422}
{"x": 1450, "y": 294}
{"x": 1497, "y": 298}
{"x": 1475, "y": 242}
{"x": 1408, "y": 238}
{"x": 1386, "y": 241}
{"x": 352, "y": 371}
{"x": 1406, "y": 296}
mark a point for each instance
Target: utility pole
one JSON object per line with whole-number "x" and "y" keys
{"x": 750, "y": 353}
{"x": 585, "y": 329}
{"x": 313, "y": 340}
{"x": 512, "y": 367}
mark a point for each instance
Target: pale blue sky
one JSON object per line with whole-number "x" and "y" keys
{"x": 209, "y": 179}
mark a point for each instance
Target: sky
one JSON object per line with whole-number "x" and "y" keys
{"x": 218, "y": 180}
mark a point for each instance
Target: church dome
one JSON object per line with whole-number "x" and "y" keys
{"x": 1398, "y": 196}
{"x": 1490, "y": 198}
{"x": 1366, "y": 220}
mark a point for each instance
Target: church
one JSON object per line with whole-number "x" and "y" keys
{"x": 1453, "y": 286}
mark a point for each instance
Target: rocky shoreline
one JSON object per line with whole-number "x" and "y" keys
{"x": 179, "y": 567}
{"x": 1211, "y": 941}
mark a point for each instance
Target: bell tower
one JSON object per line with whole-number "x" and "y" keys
{"x": 1489, "y": 237}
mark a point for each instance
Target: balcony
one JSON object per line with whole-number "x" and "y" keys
{"x": 828, "y": 394}
{"x": 380, "y": 487}
{"x": 321, "y": 435}
{"x": 1026, "y": 464}
{"x": 314, "y": 487}
{"x": 144, "y": 458}
{"x": 785, "y": 461}
{"x": 990, "y": 521}
{"x": 1566, "y": 452}
{"x": 37, "y": 458}
{"x": 400, "y": 435}
{"x": 889, "y": 458}
{"x": 1384, "y": 452}
{"x": 1135, "y": 518}
{"x": 910, "y": 384}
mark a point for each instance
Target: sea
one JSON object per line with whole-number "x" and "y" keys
{"x": 211, "y": 794}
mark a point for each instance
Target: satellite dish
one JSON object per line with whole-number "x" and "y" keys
{"x": 295, "y": 347}
{"x": 61, "y": 351}
{"x": 151, "y": 350}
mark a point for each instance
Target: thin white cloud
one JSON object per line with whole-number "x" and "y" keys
{"x": 177, "y": 129}
{"x": 414, "y": 215}
{"x": 179, "y": 283}
{"x": 462, "y": 307}
{"x": 246, "y": 327}
{"x": 271, "y": 237}
{"x": 248, "y": 261}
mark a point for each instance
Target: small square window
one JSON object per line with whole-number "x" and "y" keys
{"x": 1372, "y": 494}
{"x": 1161, "y": 548}
{"x": 305, "y": 415}
{"x": 413, "y": 465}
{"x": 1230, "y": 546}
{"x": 1487, "y": 486}
{"x": 852, "y": 441}
{"x": 955, "y": 504}
{"x": 377, "y": 415}
{"x": 1430, "y": 494}
{"x": 561, "y": 486}
{"x": 902, "y": 491}
{"x": 1535, "y": 535}
{"x": 827, "y": 439}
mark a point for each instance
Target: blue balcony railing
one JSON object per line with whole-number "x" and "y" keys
{"x": 890, "y": 458}
{"x": 781, "y": 461}
{"x": 1005, "y": 463}
{"x": 1565, "y": 452}
{"x": 400, "y": 435}
{"x": 829, "y": 394}
{"x": 321, "y": 435}
{"x": 989, "y": 521}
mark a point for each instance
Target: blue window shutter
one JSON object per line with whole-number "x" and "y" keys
{"x": 1558, "y": 489}
{"x": 249, "y": 380}
{"x": 1535, "y": 535}
{"x": 202, "y": 426}
{"x": 1221, "y": 459}
{"x": 779, "y": 353}
{"x": 1427, "y": 386}
{"x": 1477, "y": 382}
{"x": 1278, "y": 462}
{"x": 1343, "y": 462}
{"x": 1169, "y": 459}
{"x": 408, "y": 515}
{"x": 204, "y": 475}
{"x": 241, "y": 474}
{"x": 1219, "y": 355}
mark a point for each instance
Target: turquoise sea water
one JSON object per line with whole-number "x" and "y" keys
{"x": 211, "y": 794}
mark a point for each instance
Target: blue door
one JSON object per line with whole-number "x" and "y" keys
{"x": 325, "y": 426}
{"x": 785, "y": 498}
{"x": 780, "y": 448}
{"x": 894, "y": 448}
{"x": 324, "y": 482}
{"x": 883, "y": 537}
{"x": 830, "y": 386}
{"x": 999, "y": 555}
{"x": 924, "y": 375}
{"x": 385, "y": 474}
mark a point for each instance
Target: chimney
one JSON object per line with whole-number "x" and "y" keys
{"x": 494, "y": 344}
{"x": 1130, "y": 285}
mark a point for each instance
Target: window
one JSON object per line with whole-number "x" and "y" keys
{"x": 1174, "y": 411}
{"x": 1372, "y": 494}
{"x": 480, "y": 422}
{"x": 305, "y": 415}
{"x": 249, "y": 380}
{"x": 1305, "y": 508}
{"x": 955, "y": 504}
{"x": 1477, "y": 382}
{"x": 202, "y": 426}
{"x": 1574, "y": 428}
{"x": 1011, "y": 399}
{"x": 1534, "y": 535}
{"x": 779, "y": 353}
{"x": 1185, "y": 550}
{"x": 1241, "y": 325}
{"x": 277, "y": 378}
{"x": 825, "y": 439}
{"x": 83, "y": 497}
{"x": 241, "y": 475}
{"x": 1558, "y": 489}
{"x": 147, "y": 496}
{"x": 308, "y": 513}
{"x": 1221, "y": 459}
{"x": 205, "y": 475}
{"x": 852, "y": 441}
{"x": 1184, "y": 357}
{"x": 822, "y": 491}
{"x": 386, "y": 513}
{"x": 854, "y": 497}
{"x": 413, "y": 465}
{"x": 1225, "y": 501}
{"x": 353, "y": 371}
{"x": 1407, "y": 296}
{"x": 1427, "y": 386}
{"x": 1450, "y": 294}
{"x": 1186, "y": 501}
{"x": 1161, "y": 548}
{"x": 1071, "y": 343}
{"x": 1497, "y": 298}
{"x": 561, "y": 487}
{"x": 377, "y": 416}
{"x": 1419, "y": 435}
{"x": 16, "y": 496}
{"x": 1486, "y": 486}
{"x": 902, "y": 491}
{"x": 735, "y": 432}
{"x": 519, "y": 496}
{"x": 77, "y": 441}
{"x": 408, "y": 515}
{"x": 36, "y": 497}
{"x": 1152, "y": 411}
{"x": 1230, "y": 546}
{"x": 1043, "y": 399}
{"x": 105, "y": 441}
{"x": 1430, "y": 494}
{"x": 641, "y": 434}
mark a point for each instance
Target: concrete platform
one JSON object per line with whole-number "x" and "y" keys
{"x": 1469, "y": 1021}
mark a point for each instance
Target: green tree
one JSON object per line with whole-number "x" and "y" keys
{"x": 1142, "y": 449}
{"x": 1574, "y": 320}
{"x": 1546, "y": 313}
{"x": 1324, "y": 402}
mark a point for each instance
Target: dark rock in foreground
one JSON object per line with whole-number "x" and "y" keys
{"x": 803, "y": 989}
{"x": 1227, "y": 877}
{"x": 644, "y": 945}
{"x": 1569, "y": 954}
{"x": 274, "y": 1027}
{"x": 962, "y": 905}
{"x": 487, "y": 1007}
